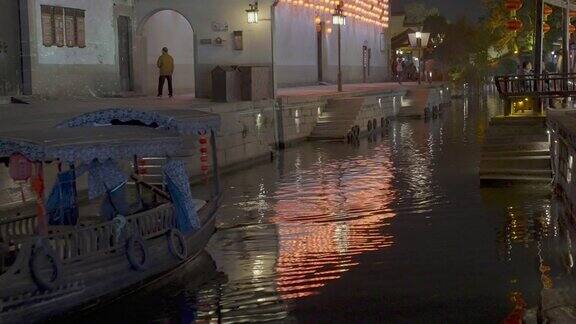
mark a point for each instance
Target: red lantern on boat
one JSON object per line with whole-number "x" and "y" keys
{"x": 545, "y": 27}
{"x": 204, "y": 167}
{"x": 514, "y": 25}
{"x": 547, "y": 10}
{"x": 513, "y": 5}
{"x": 20, "y": 167}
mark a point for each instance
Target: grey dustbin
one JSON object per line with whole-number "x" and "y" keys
{"x": 256, "y": 83}
{"x": 226, "y": 84}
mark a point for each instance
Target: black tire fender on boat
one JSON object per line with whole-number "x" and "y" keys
{"x": 177, "y": 244}
{"x": 45, "y": 266}
{"x": 137, "y": 253}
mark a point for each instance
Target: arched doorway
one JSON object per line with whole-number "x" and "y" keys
{"x": 165, "y": 28}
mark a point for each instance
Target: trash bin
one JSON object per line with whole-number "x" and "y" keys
{"x": 226, "y": 84}
{"x": 256, "y": 84}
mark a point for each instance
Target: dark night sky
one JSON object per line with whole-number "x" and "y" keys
{"x": 451, "y": 9}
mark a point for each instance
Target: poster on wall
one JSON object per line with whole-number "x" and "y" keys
{"x": 47, "y": 25}
{"x": 59, "y": 26}
{"x": 69, "y": 27}
{"x": 80, "y": 28}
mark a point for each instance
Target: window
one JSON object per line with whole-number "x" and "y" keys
{"x": 63, "y": 27}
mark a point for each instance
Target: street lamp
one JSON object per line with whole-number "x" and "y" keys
{"x": 419, "y": 40}
{"x": 253, "y": 13}
{"x": 339, "y": 19}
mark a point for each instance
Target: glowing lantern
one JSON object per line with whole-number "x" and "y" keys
{"x": 545, "y": 27}
{"x": 572, "y": 29}
{"x": 204, "y": 167}
{"x": 513, "y": 5}
{"x": 514, "y": 25}
{"x": 253, "y": 13}
{"x": 547, "y": 10}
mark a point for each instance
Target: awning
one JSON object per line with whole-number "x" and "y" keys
{"x": 85, "y": 144}
{"x": 182, "y": 121}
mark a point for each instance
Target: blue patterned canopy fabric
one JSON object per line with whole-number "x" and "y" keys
{"x": 176, "y": 179}
{"x": 90, "y": 143}
{"x": 187, "y": 122}
{"x": 104, "y": 177}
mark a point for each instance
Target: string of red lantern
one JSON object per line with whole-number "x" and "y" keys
{"x": 513, "y": 24}
{"x": 204, "y": 167}
{"x": 547, "y": 12}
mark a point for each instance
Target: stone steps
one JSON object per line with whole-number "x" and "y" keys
{"x": 520, "y": 139}
{"x": 499, "y": 178}
{"x": 415, "y": 103}
{"x": 516, "y": 149}
{"x": 338, "y": 118}
{"x": 516, "y": 162}
{"x": 519, "y": 153}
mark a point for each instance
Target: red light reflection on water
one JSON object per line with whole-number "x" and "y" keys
{"x": 327, "y": 218}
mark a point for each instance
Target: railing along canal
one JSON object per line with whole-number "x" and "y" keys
{"x": 536, "y": 86}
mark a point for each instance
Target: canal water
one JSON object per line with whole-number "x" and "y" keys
{"x": 393, "y": 229}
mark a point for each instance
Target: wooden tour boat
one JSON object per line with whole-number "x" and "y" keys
{"x": 69, "y": 255}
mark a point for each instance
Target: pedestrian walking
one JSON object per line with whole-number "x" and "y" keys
{"x": 166, "y": 66}
{"x": 399, "y": 71}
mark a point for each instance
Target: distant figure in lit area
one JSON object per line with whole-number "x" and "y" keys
{"x": 166, "y": 66}
{"x": 399, "y": 70}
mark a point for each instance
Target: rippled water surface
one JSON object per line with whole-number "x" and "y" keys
{"x": 394, "y": 229}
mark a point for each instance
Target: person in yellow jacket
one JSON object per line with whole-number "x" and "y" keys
{"x": 166, "y": 66}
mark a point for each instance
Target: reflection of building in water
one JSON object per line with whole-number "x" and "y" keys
{"x": 524, "y": 225}
{"x": 328, "y": 214}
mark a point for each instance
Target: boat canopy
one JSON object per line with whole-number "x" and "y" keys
{"x": 182, "y": 121}
{"x": 85, "y": 144}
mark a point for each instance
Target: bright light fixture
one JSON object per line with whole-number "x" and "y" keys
{"x": 253, "y": 13}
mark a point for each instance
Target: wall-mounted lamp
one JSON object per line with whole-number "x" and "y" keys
{"x": 252, "y": 12}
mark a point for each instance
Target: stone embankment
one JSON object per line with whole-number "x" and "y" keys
{"x": 250, "y": 131}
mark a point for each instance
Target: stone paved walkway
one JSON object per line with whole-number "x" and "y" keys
{"x": 47, "y": 113}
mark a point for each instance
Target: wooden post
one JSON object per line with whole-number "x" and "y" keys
{"x": 566, "y": 49}
{"x": 215, "y": 174}
{"x": 539, "y": 47}
{"x": 75, "y": 192}
{"x": 538, "y": 53}
{"x": 137, "y": 172}
{"x": 339, "y": 57}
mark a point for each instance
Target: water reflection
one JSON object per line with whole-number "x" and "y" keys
{"x": 326, "y": 215}
{"x": 395, "y": 229}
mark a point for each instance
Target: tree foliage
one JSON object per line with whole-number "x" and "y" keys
{"x": 417, "y": 12}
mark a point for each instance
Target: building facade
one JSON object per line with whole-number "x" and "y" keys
{"x": 107, "y": 47}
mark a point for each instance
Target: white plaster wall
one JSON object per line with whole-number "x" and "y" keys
{"x": 64, "y": 71}
{"x": 201, "y": 14}
{"x": 296, "y": 49}
{"x": 169, "y": 29}
{"x": 99, "y": 33}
